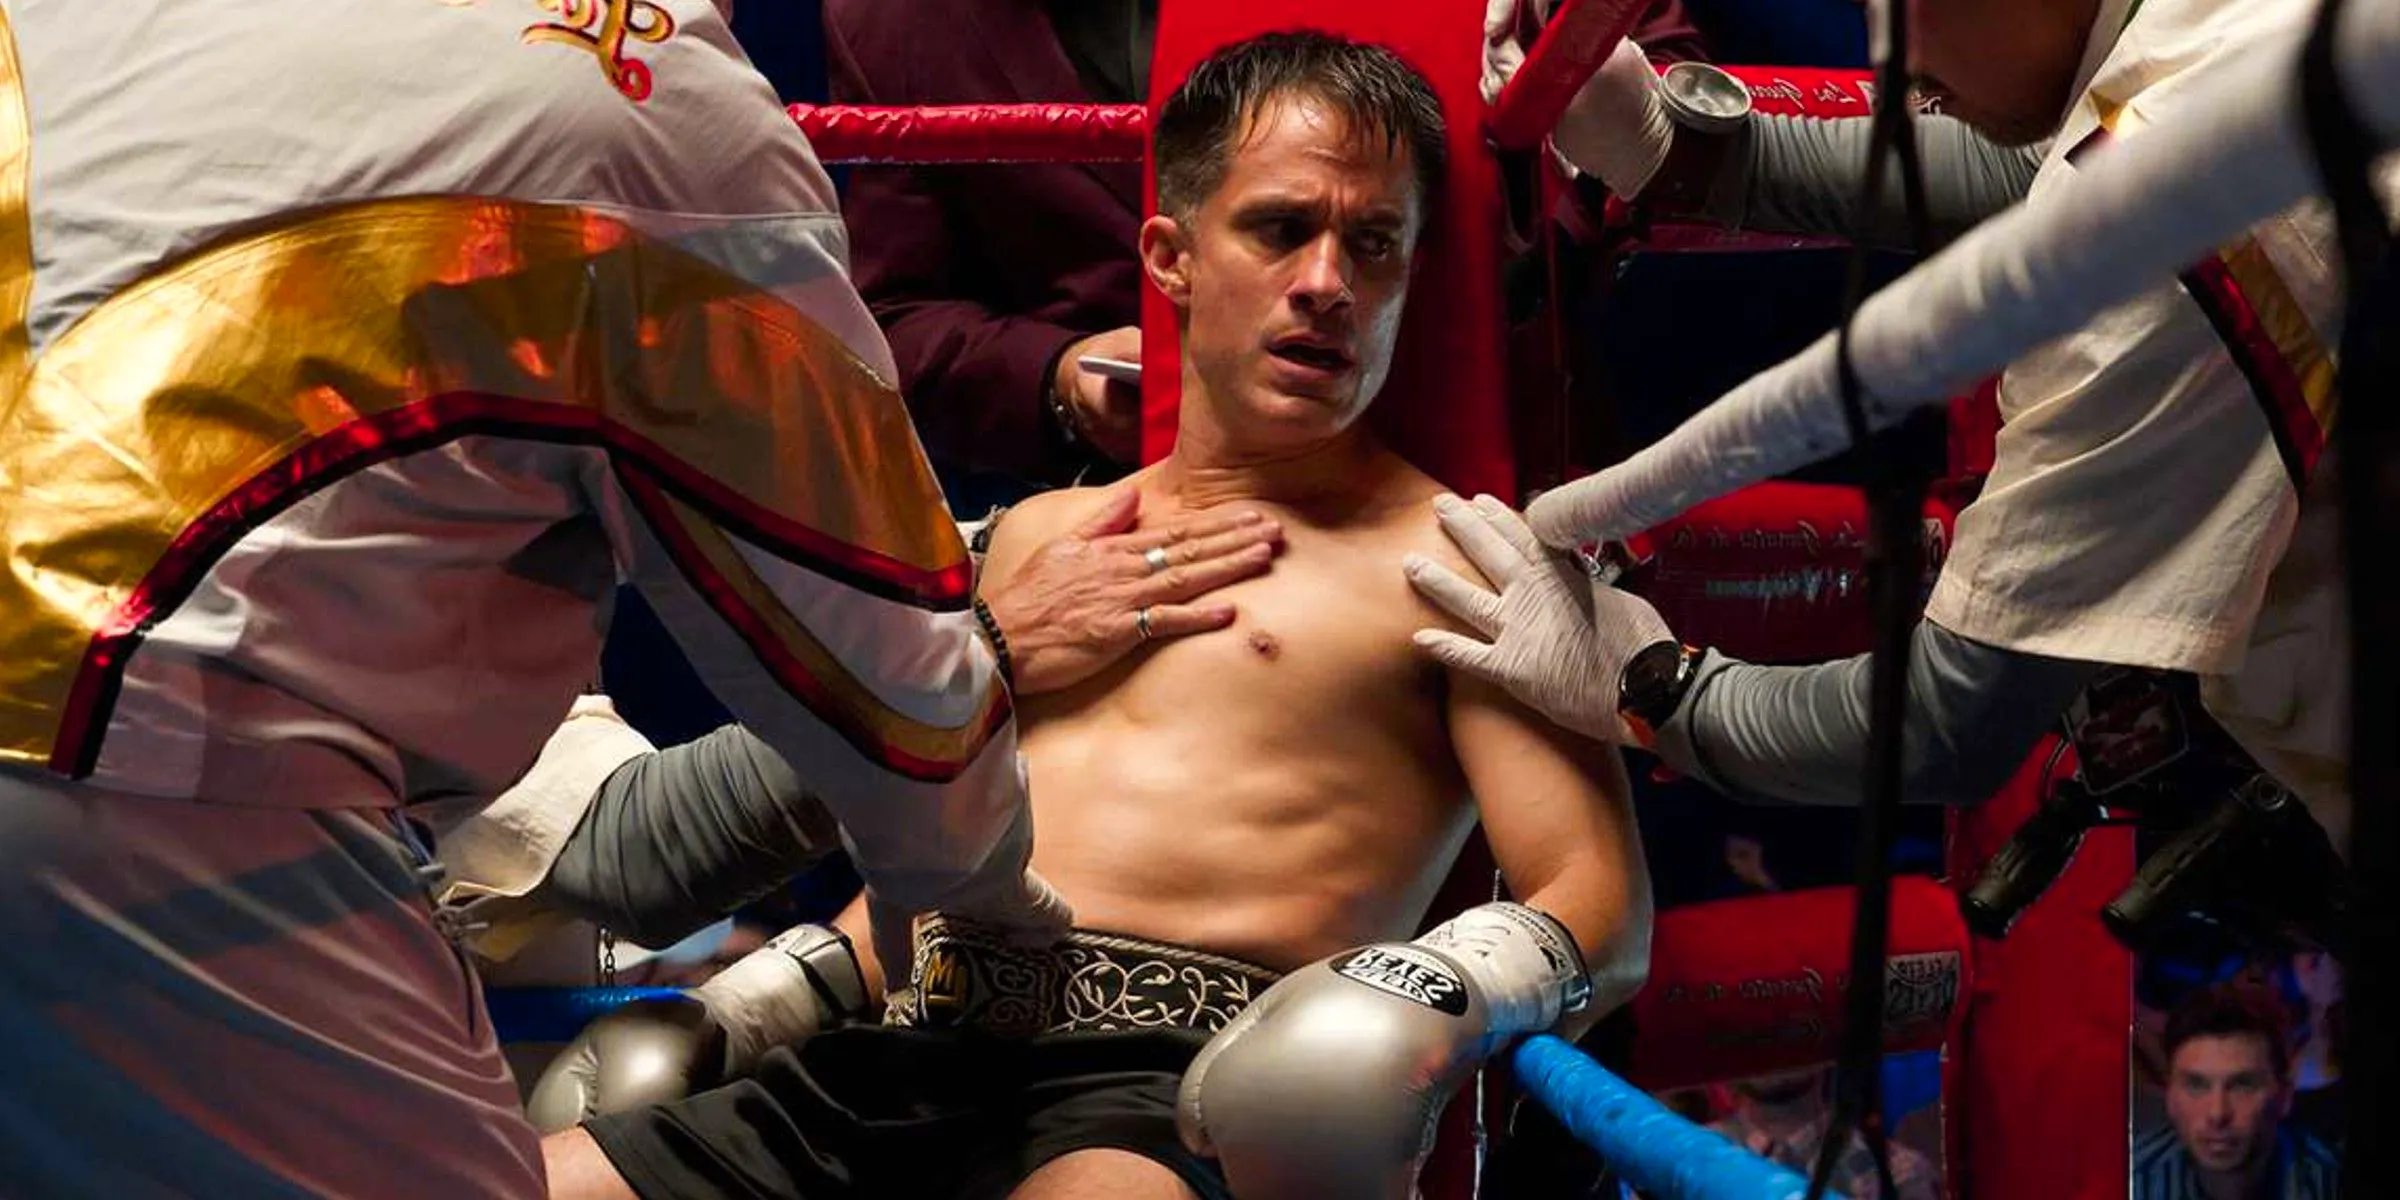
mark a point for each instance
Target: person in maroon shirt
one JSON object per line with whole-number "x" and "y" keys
{"x": 991, "y": 281}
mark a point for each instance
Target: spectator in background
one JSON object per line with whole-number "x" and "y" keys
{"x": 1746, "y": 857}
{"x": 1800, "y": 33}
{"x": 991, "y": 281}
{"x": 1784, "y": 1117}
{"x": 2229, "y": 1087}
{"x": 2316, "y": 1066}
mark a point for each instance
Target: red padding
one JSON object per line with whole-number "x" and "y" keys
{"x": 1975, "y": 431}
{"x": 1775, "y": 572}
{"x": 1807, "y": 91}
{"x": 1744, "y": 987}
{"x": 2035, "y": 1094}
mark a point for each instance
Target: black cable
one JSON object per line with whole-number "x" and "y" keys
{"x": 2368, "y": 440}
{"x": 1895, "y": 568}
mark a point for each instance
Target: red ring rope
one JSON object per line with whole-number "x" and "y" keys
{"x": 966, "y": 133}
{"x": 1578, "y": 39}
{"x": 1000, "y": 133}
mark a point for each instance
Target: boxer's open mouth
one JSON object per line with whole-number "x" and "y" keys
{"x": 1314, "y": 353}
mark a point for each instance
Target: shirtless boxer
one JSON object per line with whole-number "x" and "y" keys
{"x": 1227, "y": 807}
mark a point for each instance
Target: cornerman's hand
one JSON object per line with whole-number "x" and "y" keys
{"x": 1005, "y": 895}
{"x": 1073, "y": 608}
{"x": 1503, "y": 46}
{"x": 1615, "y": 129}
{"x": 1105, "y": 412}
{"x": 1557, "y": 640}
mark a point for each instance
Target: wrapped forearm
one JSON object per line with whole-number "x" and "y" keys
{"x": 678, "y": 838}
{"x": 1803, "y": 175}
{"x": 1800, "y": 733}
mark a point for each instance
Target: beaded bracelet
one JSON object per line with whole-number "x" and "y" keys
{"x": 999, "y": 641}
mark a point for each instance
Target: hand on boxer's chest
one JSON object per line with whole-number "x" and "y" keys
{"x": 1319, "y": 605}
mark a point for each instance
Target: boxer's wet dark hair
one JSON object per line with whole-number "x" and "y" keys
{"x": 1369, "y": 87}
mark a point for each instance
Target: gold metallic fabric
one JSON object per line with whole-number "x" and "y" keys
{"x": 198, "y": 402}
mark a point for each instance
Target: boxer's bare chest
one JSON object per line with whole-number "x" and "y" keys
{"x": 1320, "y": 642}
{"x": 1271, "y": 789}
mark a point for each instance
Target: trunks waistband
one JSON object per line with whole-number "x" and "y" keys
{"x": 965, "y": 977}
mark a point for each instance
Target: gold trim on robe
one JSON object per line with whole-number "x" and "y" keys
{"x": 16, "y": 220}
{"x": 191, "y": 406}
{"x": 803, "y": 664}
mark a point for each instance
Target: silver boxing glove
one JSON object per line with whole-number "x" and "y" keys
{"x": 804, "y": 981}
{"x": 1331, "y": 1084}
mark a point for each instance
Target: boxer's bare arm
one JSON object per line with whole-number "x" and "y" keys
{"x": 1557, "y": 810}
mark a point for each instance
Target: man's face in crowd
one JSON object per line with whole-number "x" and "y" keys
{"x": 2002, "y": 66}
{"x": 1290, "y": 277}
{"x": 2224, "y": 1099}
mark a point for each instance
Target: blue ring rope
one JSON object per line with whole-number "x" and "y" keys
{"x": 1658, "y": 1152}
{"x": 557, "y": 1014}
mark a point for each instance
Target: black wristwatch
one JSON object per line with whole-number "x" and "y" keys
{"x": 1653, "y": 684}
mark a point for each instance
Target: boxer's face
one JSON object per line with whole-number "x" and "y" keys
{"x": 1289, "y": 278}
{"x": 2002, "y": 66}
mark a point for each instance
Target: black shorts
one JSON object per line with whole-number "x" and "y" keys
{"x": 895, "y": 1113}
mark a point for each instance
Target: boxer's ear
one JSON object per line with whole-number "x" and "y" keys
{"x": 1167, "y": 258}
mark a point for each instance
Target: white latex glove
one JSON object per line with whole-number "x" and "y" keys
{"x": 1558, "y": 641}
{"x": 1004, "y": 894}
{"x": 1615, "y": 129}
{"x": 1502, "y": 52}
{"x": 1035, "y": 916}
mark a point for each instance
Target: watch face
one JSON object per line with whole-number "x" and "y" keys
{"x": 1650, "y": 679}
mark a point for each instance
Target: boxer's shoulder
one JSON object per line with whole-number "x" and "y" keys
{"x": 1404, "y": 520}
{"x": 1027, "y": 525}
{"x": 1045, "y": 515}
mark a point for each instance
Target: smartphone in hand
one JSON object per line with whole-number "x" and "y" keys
{"x": 1116, "y": 369}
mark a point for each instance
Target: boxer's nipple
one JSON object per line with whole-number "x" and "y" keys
{"x": 1265, "y": 644}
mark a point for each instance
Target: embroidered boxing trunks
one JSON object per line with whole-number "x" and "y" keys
{"x": 995, "y": 1060}
{"x": 965, "y": 977}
